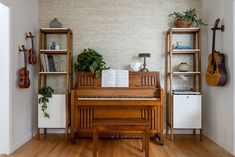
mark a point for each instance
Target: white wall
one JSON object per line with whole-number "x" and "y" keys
{"x": 24, "y": 104}
{"x": 24, "y": 18}
{"x": 218, "y": 102}
{"x": 5, "y": 79}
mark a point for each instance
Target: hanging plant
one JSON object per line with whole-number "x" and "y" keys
{"x": 45, "y": 94}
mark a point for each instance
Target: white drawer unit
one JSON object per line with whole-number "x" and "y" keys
{"x": 57, "y": 111}
{"x": 187, "y": 112}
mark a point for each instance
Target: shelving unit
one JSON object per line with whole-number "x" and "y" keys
{"x": 59, "y": 104}
{"x": 183, "y": 111}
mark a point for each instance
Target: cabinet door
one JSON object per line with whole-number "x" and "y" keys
{"x": 187, "y": 111}
{"x": 56, "y": 109}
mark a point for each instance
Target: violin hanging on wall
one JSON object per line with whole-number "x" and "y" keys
{"x": 216, "y": 74}
{"x": 32, "y": 59}
{"x": 24, "y": 81}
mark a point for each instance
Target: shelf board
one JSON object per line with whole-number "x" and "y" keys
{"x": 52, "y": 73}
{"x": 186, "y": 73}
{"x": 183, "y": 30}
{"x": 185, "y": 51}
{"x": 45, "y": 51}
{"x": 55, "y": 30}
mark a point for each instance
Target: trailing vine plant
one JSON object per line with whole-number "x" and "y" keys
{"x": 45, "y": 94}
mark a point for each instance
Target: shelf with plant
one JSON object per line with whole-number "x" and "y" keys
{"x": 187, "y": 19}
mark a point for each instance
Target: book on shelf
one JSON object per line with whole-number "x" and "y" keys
{"x": 43, "y": 64}
{"x": 47, "y": 63}
{"x": 51, "y": 63}
{"x": 115, "y": 78}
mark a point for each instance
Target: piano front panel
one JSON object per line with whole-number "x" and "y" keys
{"x": 84, "y": 117}
{"x": 136, "y": 80}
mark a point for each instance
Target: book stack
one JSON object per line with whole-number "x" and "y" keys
{"x": 47, "y": 63}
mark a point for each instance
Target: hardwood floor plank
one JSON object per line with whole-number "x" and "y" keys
{"x": 57, "y": 146}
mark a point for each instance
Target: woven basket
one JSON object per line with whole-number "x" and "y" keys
{"x": 182, "y": 24}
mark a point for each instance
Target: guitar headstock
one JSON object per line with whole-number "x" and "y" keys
{"x": 22, "y": 49}
{"x": 217, "y": 23}
{"x": 29, "y": 35}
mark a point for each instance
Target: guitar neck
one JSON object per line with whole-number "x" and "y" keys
{"x": 32, "y": 44}
{"x": 25, "y": 61}
{"x": 213, "y": 42}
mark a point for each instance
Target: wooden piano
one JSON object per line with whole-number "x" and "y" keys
{"x": 142, "y": 99}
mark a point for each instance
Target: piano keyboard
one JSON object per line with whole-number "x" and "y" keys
{"x": 118, "y": 98}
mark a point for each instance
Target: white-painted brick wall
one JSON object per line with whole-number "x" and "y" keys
{"x": 118, "y": 29}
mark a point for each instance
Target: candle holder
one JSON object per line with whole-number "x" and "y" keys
{"x": 144, "y": 55}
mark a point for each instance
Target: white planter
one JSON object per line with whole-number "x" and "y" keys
{"x": 57, "y": 111}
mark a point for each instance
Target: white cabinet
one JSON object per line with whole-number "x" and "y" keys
{"x": 187, "y": 111}
{"x": 57, "y": 111}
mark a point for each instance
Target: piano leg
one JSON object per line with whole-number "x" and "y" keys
{"x": 72, "y": 136}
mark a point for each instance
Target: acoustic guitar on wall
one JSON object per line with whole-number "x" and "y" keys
{"x": 216, "y": 74}
{"x": 24, "y": 81}
{"x": 32, "y": 59}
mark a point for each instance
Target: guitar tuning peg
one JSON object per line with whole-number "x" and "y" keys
{"x": 26, "y": 35}
{"x": 222, "y": 28}
{"x": 19, "y": 49}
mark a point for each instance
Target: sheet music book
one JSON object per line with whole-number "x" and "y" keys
{"x": 115, "y": 78}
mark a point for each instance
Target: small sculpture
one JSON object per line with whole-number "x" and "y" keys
{"x": 55, "y": 23}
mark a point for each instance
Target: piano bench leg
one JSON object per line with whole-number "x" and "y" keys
{"x": 95, "y": 142}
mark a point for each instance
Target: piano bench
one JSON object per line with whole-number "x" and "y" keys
{"x": 122, "y": 124}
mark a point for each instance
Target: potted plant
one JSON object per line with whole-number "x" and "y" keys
{"x": 45, "y": 93}
{"x": 90, "y": 61}
{"x": 187, "y": 19}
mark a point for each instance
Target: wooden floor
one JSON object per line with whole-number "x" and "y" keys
{"x": 183, "y": 146}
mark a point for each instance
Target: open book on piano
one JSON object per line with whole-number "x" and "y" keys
{"x": 115, "y": 78}
{"x": 143, "y": 98}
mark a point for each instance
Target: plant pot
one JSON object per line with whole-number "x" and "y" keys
{"x": 182, "y": 24}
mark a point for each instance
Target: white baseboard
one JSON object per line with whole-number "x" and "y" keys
{"x": 21, "y": 142}
{"x": 183, "y": 131}
{"x": 52, "y": 131}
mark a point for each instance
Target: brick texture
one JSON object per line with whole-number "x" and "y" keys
{"x": 119, "y": 29}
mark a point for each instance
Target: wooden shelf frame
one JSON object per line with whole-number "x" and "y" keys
{"x": 45, "y": 51}
{"x": 68, "y": 74}
{"x": 195, "y": 74}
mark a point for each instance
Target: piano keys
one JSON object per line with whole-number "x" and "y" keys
{"x": 142, "y": 99}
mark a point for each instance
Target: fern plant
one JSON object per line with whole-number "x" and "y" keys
{"x": 90, "y": 61}
{"x": 45, "y": 94}
{"x": 189, "y": 16}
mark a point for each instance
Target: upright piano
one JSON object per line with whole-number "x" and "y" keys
{"x": 142, "y": 99}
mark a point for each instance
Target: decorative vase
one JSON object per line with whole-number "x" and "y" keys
{"x": 182, "y": 24}
{"x": 53, "y": 45}
{"x": 135, "y": 66}
{"x": 55, "y": 23}
{"x": 184, "y": 67}
{"x": 57, "y": 47}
